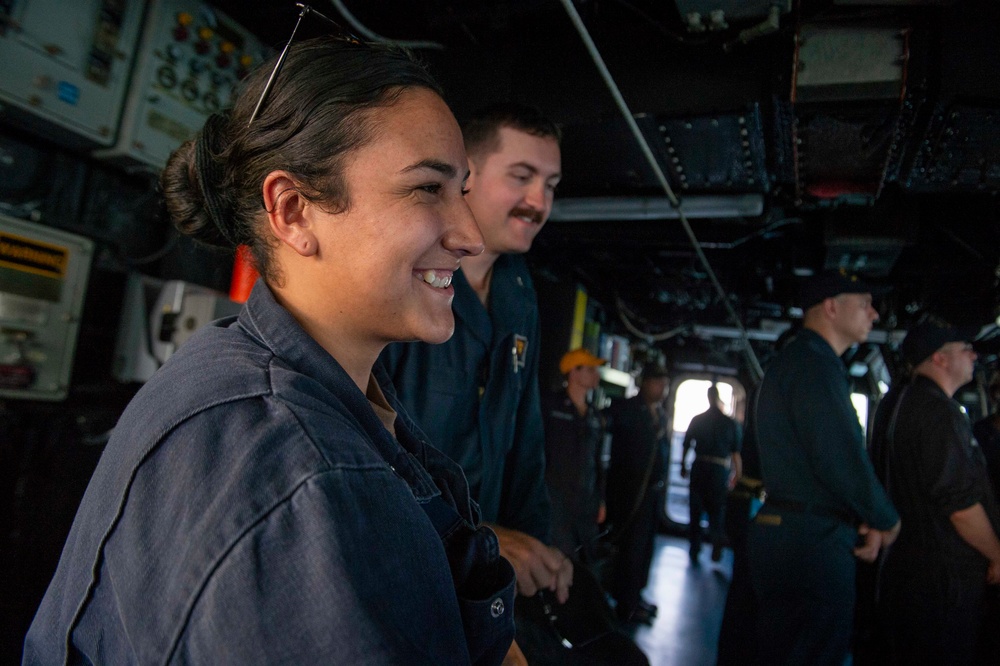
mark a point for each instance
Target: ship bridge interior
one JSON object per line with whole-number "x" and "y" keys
{"x": 715, "y": 155}
{"x": 794, "y": 137}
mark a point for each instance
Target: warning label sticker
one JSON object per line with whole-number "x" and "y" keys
{"x": 31, "y": 268}
{"x": 29, "y": 255}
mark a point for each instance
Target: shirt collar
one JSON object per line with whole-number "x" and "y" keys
{"x": 275, "y": 328}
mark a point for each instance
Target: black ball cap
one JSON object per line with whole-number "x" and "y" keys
{"x": 832, "y": 283}
{"x": 929, "y": 335}
{"x": 655, "y": 371}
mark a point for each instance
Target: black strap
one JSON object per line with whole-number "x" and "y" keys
{"x": 890, "y": 437}
{"x": 889, "y": 445}
{"x": 443, "y": 516}
{"x": 467, "y": 548}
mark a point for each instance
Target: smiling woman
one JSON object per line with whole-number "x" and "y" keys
{"x": 264, "y": 498}
{"x": 406, "y": 217}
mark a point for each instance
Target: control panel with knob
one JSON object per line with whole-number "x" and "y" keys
{"x": 65, "y": 67}
{"x": 191, "y": 58}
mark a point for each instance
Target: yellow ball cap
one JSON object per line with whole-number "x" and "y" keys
{"x": 578, "y": 357}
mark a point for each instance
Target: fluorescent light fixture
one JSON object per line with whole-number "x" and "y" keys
{"x": 592, "y": 209}
{"x": 613, "y": 376}
{"x": 879, "y": 337}
{"x": 769, "y": 333}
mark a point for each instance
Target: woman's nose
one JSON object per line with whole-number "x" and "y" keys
{"x": 462, "y": 235}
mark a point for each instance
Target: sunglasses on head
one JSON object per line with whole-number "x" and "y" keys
{"x": 303, "y": 10}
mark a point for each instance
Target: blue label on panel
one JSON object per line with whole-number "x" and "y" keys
{"x": 68, "y": 92}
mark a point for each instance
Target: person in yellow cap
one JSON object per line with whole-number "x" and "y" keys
{"x": 574, "y": 476}
{"x": 573, "y": 433}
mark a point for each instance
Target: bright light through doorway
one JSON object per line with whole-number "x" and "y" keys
{"x": 691, "y": 400}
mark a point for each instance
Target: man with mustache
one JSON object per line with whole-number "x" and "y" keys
{"x": 476, "y": 396}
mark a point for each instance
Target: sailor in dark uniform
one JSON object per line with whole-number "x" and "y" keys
{"x": 716, "y": 468}
{"x": 824, "y": 505}
{"x": 574, "y": 430}
{"x": 933, "y": 581}
{"x": 639, "y": 456}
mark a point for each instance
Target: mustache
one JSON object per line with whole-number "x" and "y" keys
{"x": 534, "y": 215}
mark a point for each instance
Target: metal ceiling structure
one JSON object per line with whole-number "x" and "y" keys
{"x": 799, "y": 136}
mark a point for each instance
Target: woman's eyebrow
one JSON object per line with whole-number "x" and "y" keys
{"x": 443, "y": 168}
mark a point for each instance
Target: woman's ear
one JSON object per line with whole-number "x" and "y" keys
{"x": 286, "y": 213}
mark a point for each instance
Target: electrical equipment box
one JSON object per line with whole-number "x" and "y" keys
{"x": 701, "y": 15}
{"x": 66, "y": 66}
{"x": 43, "y": 280}
{"x": 191, "y": 59}
{"x": 849, "y": 64}
{"x": 159, "y": 316}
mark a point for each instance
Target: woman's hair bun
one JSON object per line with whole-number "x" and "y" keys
{"x": 192, "y": 187}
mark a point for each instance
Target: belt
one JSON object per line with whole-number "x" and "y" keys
{"x": 748, "y": 488}
{"x": 715, "y": 460}
{"x": 803, "y": 507}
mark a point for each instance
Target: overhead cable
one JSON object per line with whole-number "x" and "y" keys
{"x": 574, "y": 16}
{"x": 363, "y": 30}
{"x": 624, "y": 315}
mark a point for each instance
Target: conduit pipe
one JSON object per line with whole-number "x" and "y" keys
{"x": 609, "y": 81}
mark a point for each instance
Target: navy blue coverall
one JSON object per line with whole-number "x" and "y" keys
{"x": 476, "y": 396}
{"x": 573, "y": 472}
{"x": 821, "y": 486}
{"x": 252, "y": 507}
{"x": 639, "y": 454}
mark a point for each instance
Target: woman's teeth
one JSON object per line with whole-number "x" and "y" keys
{"x": 431, "y": 278}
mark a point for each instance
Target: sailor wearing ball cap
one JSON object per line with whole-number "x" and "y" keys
{"x": 573, "y": 434}
{"x": 933, "y": 580}
{"x": 823, "y": 497}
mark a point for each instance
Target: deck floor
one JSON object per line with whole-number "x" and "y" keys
{"x": 690, "y": 602}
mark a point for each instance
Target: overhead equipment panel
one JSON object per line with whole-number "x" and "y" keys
{"x": 66, "y": 66}
{"x": 192, "y": 57}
